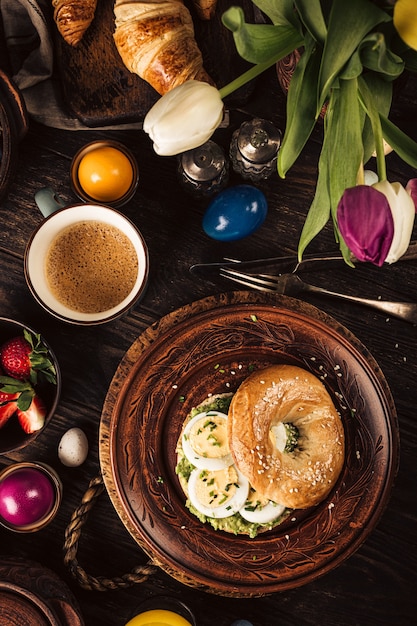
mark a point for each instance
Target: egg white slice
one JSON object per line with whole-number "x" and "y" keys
{"x": 262, "y": 513}
{"x": 208, "y": 491}
{"x": 279, "y": 436}
{"x": 216, "y": 457}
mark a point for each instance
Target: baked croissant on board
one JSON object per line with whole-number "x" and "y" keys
{"x": 73, "y": 17}
{"x": 155, "y": 40}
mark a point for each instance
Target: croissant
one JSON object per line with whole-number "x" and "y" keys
{"x": 205, "y": 8}
{"x": 155, "y": 40}
{"x": 73, "y": 17}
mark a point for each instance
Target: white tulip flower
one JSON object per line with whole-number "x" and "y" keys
{"x": 403, "y": 213}
{"x": 184, "y": 118}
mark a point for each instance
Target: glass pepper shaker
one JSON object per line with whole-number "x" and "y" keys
{"x": 203, "y": 170}
{"x": 254, "y": 149}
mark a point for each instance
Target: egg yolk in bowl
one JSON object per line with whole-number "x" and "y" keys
{"x": 105, "y": 174}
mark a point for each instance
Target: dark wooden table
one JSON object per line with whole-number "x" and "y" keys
{"x": 377, "y": 585}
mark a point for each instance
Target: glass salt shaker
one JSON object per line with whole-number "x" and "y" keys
{"x": 203, "y": 170}
{"x": 254, "y": 149}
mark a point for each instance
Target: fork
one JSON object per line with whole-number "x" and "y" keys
{"x": 293, "y": 284}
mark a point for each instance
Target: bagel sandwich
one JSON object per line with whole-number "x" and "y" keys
{"x": 216, "y": 492}
{"x": 246, "y": 460}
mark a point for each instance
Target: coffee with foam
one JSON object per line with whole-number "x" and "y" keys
{"x": 91, "y": 266}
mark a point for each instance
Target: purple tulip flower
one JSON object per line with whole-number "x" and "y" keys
{"x": 376, "y": 221}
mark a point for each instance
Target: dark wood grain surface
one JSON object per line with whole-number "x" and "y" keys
{"x": 374, "y": 586}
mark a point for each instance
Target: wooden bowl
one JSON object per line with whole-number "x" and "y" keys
{"x": 12, "y": 436}
{"x": 13, "y": 126}
{"x": 33, "y": 595}
{"x": 210, "y": 347}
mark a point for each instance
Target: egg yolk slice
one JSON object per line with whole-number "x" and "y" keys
{"x": 105, "y": 174}
{"x": 204, "y": 441}
{"x": 219, "y": 493}
{"x": 260, "y": 510}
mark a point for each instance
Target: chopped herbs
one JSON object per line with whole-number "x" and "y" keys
{"x": 293, "y": 435}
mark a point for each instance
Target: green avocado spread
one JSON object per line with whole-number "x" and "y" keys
{"x": 235, "y": 524}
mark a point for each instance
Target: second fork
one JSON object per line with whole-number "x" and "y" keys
{"x": 291, "y": 284}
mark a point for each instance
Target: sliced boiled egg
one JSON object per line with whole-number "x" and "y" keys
{"x": 204, "y": 441}
{"x": 278, "y": 436}
{"x": 218, "y": 493}
{"x": 260, "y": 510}
{"x": 284, "y": 436}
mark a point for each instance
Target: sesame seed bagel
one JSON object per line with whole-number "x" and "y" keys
{"x": 289, "y": 394}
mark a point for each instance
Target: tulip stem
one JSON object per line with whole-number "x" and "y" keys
{"x": 247, "y": 76}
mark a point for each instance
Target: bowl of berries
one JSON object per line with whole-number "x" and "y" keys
{"x": 30, "y": 385}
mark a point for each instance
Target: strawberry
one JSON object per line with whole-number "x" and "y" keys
{"x": 8, "y": 406}
{"x": 26, "y": 358}
{"x": 33, "y": 418}
{"x": 26, "y": 403}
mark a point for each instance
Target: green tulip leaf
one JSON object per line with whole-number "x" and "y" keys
{"x": 353, "y": 68}
{"x": 372, "y": 112}
{"x": 403, "y": 145}
{"x": 374, "y": 55}
{"x": 339, "y": 162}
{"x": 345, "y": 151}
{"x": 346, "y": 29}
{"x": 311, "y": 14}
{"x": 301, "y": 108}
{"x": 258, "y": 43}
{"x": 381, "y": 93}
{"x": 278, "y": 12}
{"x": 319, "y": 212}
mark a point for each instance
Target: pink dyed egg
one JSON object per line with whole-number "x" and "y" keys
{"x": 26, "y": 496}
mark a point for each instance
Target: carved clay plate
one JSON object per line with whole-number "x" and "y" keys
{"x": 33, "y": 595}
{"x": 210, "y": 347}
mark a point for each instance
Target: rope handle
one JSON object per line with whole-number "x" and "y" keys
{"x": 72, "y": 535}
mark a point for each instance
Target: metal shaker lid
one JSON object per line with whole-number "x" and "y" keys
{"x": 203, "y": 163}
{"x": 258, "y": 140}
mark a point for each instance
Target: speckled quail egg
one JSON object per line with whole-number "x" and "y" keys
{"x": 73, "y": 447}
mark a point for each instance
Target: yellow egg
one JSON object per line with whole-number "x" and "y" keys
{"x": 158, "y": 617}
{"x": 105, "y": 174}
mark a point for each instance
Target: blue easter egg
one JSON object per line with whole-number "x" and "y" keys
{"x": 235, "y": 213}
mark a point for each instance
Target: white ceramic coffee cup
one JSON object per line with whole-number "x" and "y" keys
{"x": 59, "y": 218}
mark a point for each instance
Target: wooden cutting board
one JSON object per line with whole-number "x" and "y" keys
{"x": 100, "y": 90}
